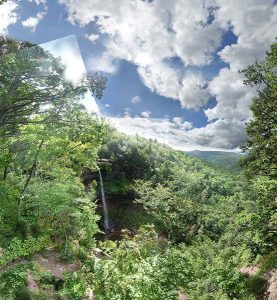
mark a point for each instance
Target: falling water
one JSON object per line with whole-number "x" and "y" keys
{"x": 104, "y": 203}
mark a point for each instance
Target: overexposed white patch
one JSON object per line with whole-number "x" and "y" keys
{"x": 68, "y": 51}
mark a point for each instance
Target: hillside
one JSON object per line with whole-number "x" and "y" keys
{"x": 226, "y": 160}
{"x": 90, "y": 213}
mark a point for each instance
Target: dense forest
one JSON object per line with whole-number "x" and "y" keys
{"x": 226, "y": 160}
{"x": 178, "y": 227}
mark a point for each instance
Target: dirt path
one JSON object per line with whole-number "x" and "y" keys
{"x": 50, "y": 261}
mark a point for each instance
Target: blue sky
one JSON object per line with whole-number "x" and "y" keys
{"x": 172, "y": 69}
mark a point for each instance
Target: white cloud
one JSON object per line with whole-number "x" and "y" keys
{"x": 182, "y": 124}
{"x": 165, "y": 30}
{"x": 146, "y": 127}
{"x": 32, "y": 22}
{"x": 233, "y": 97}
{"x": 146, "y": 114}
{"x": 195, "y": 37}
{"x": 136, "y": 99}
{"x": 190, "y": 31}
{"x": 223, "y": 134}
{"x": 103, "y": 63}
{"x": 38, "y": 2}
{"x": 8, "y": 16}
{"x": 194, "y": 92}
{"x": 216, "y": 136}
{"x": 92, "y": 37}
{"x": 255, "y": 23}
{"x": 127, "y": 112}
{"x": 178, "y": 120}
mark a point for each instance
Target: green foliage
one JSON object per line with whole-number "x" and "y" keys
{"x": 208, "y": 223}
{"x": 177, "y": 214}
{"x": 132, "y": 217}
{"x": 40, "y": 183}
{"x": 74, "y": 286}
{"x": 261, "y": 144}
{"x": 268, "y": 262}
{"x": 216, "y": 272}
{"x": 118, "y": 187}
{"x": 228, "y": 161}
{"x": 22, "y": 76}
{"x": 133, "y": 270}
{"x": 8, "y": 45}
{"x": 13, "y": 283}
{"x": 20, "y": 249}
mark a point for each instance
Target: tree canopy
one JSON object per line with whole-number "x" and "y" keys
{"x": 180, "y": 227}
{"x": 261, "y": 144}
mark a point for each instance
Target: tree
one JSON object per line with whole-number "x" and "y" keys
{"x": 258, "y": 218}
{"x": 8, "y": 45}
{"x": 46, "y": 139}
{"x": 261, "y": 144}
{"x": 32, "y": 84}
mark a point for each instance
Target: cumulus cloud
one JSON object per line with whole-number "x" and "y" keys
{"x": 194, "y": 92}
{"x": 223, "y": 134}
{"x": 181, "y": 123}
{"x": 8, "y": 16}
{"x": 180, "y": 135}
{"x": 92, "y": 37}
{"x": 32, "y": 22}
{"x": 165, "y": 30}
{"x": 149, "y": 34}
{"x": 146, "y": 114}
{"x": 254, "y": 22}
{"x": 136, "y": 99}
{"x": 103, "y": 63}
{"x": 233, "y": 97}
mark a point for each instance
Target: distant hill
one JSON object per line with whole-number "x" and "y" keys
{"x": 225, "y": 160}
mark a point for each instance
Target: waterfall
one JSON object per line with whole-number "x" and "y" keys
{"x": 104, "y": 203}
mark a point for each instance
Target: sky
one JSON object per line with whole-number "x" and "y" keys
{"x": 172, "y": 66}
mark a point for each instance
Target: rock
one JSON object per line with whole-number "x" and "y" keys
{"x": 249, "y": 270}
{"x": 182, "y": 296}
{"x": 50, "y": 261}
{"x": 271, "y": 291}
{"x": 32, "y": 285}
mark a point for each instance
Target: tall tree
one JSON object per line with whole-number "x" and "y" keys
{"x": 32, "y": 84}
{"x": 261, "y": 144}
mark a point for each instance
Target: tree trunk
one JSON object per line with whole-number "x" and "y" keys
{"x": 6, "y": 167}
{"x": 33, "y": 168}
